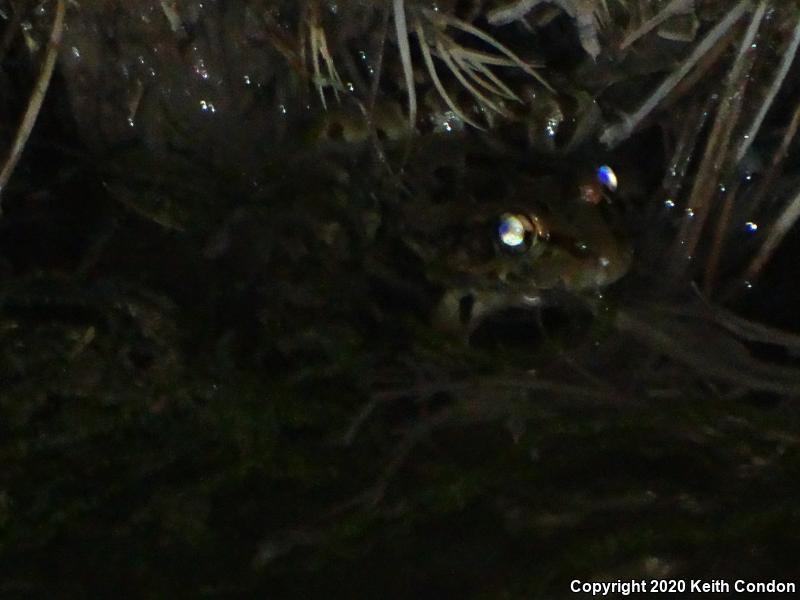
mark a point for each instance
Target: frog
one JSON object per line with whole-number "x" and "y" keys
{"x": 545, "y": 238}
{"x": 492, "y": 227}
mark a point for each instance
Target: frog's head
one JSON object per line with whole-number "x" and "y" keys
{"x": 548, "y": 238}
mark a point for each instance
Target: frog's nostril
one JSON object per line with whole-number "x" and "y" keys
{"x": 465, "y": 306}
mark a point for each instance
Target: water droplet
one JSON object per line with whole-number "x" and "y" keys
{"x": 551, "y": 129}
{"x": 669, "y": 203}
{"x": 449, "y": 123}
{"x": 200, "y": 69}
{"x": 690, "y": 213}
{"x": 751, "y": 227}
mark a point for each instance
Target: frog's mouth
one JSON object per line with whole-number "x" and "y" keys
{"x": 493, "y": 320}
{"x": 547, "y": 329}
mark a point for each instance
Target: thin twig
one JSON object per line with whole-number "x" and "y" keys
{"x": 37, "y": 97}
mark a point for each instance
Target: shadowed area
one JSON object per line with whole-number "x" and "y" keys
{"x": 368, "y": 299}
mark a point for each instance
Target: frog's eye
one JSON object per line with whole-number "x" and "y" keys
{"x": 511, "y": 230}
{"x": 516, "y": 232}
{"x": 607, "y": 178}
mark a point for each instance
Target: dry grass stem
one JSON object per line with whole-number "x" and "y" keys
{"x": 437, "y": 82}
{"x": 720, "y": 233}
{"x": 37, "y": 97}
{"x": 780, "y": 75}
{"x": 756, "y": 332}
{"x": 319, "y": 50}
{"x": 443, "y": 20}
{"x": 10, "y": 32}
{"x": 716, "y": 158}
{"x": 589, "y": 15}
{"x": 401, "y": 29}
{"x": 471, "y": 68}
{"x": 456, "y": 70}
{"x": 778, "y": 158}
{"x": 618, "y": 132}
{"x": 676, "y": 7}
{"x": 725, "y": 360}
{"x": 777, "y": 232}
{"x": 685, "y": 147}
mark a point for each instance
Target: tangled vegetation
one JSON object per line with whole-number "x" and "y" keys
{"x": 231, "y": 234}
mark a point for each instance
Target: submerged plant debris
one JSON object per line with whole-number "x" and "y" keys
{"x": 398, "y": 298}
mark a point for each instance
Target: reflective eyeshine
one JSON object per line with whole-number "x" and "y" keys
{"x": 512, "y": 230}
{"x": 607, "y": 178}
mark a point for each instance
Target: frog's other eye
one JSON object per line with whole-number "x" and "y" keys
{"x": 516, "y": 232}
{"x": 607, "y": 178}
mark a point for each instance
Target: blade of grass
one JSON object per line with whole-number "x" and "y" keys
{"x": 36, "y": 99}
